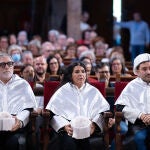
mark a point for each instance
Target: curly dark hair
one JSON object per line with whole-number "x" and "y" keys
{"x": 67, "y": 77}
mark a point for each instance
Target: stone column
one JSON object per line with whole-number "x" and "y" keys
{"x": 73, "y": 18}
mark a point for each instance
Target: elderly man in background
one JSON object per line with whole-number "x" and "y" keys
{"x": 134, "y": 101}
{"x": 17, "y": 100}
{"x": 47, "y": 49}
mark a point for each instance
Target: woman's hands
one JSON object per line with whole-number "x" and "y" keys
{"x": 68, "y": 129}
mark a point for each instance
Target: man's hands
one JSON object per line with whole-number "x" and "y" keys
{"x": 145, "y": 118}
{"x": 17, "y": 124}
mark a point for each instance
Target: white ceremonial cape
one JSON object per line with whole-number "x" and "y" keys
{"x": 136, "y": 98}
{"x": 69, "y": 102}
{"x": 16, "y": 95}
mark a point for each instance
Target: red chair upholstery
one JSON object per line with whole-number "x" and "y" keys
{"x": 100, "y": 86}
{"x": 119, "y": 86}
{"x": 49, "y": 88}
{"x": 32, "y": 84}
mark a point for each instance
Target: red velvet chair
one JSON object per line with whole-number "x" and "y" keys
{"x": 119, "y": 86}
{"x": 49, "y": 88}
{"x": 100, "y": 86}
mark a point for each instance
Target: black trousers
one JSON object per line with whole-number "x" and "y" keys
{"x": 9, "y": 141}
{"x": 69, "y": 143}
{"x": 62, "y": 141}
{"x": 14, "y": 140}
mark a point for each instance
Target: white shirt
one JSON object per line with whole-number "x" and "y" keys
{"x": 136, "y": 98}
{"x": 69, "y": 102}
{"x": 16, "y": 96}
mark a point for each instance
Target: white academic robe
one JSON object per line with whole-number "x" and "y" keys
{"x": 69, "y": 102}
{"x": 136, "y": 98}
{"x": 15, "y": 97}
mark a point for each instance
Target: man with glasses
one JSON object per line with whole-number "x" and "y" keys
{"x": 17, "y": 100}
{"x": 103, "y": 73}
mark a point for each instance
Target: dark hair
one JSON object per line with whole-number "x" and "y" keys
{"x": 84, "y": 57}
{"x": 101, "y": 65}
{"x": 69, "y": 70}
{"x": 48, "y": 66}
{"x": 25, "y": 66}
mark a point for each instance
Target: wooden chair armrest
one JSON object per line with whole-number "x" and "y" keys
{"x": 46, "y": 116}
{"x": 106, "y": 116}
{"x": 118, "y": 141}
{"x": 33, "y": 116}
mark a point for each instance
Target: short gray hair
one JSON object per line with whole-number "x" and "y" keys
{"x": 14, "y": 47}
{"x": 5, "y": 55}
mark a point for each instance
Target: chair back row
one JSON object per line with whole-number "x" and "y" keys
{"x": 51, "y": 86}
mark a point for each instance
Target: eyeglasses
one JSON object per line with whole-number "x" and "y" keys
{"x": 31, "y": 71}
{"x": 116, "y": 64}
{"x": 9, "y": 64}
{"x": 103, "y": 71}
{"x": 54, "y": 63}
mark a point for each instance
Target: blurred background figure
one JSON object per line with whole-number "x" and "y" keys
{"x": 47, "y": 49}
{"x": 117, "y": 66}
{"x": 35, "y": 47}
{"x": 53, "y": 37}
{"x": 40, "y": 67}
{"x": 4, "y": 44}
{"x": 139, "y": 34}
{"x": 12, "y": 39}
{"x": 27, "y": 72}
{"x": 102, "y": 73}
{"x": 15, "y": 51}
{"x": 22, "y": 39}
{"x": 27, "y": 58}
